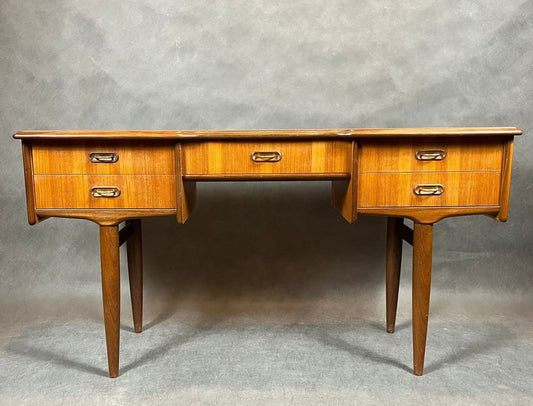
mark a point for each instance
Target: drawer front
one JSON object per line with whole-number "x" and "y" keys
{"x": 100, "y": 192}
{"x": 103, "y": 158}
{"x": 430, "y": 155}
{"x": 260, "y": 158}
{"x": 450, "y": 188}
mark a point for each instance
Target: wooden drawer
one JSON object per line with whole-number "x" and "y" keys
{"x": 75, "y": 191}
{"x": 458, "y": 189}
{"x": 401, "y": 155}
{"x": 130, "y": 158}
{"x": 264, "y": 158}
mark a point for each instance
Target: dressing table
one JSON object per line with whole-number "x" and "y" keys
{"x": 422, "y": 174}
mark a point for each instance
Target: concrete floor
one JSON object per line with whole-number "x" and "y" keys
{"x": 246, "y": 351}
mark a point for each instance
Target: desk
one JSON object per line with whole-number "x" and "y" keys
{"x": 423, "y": 174}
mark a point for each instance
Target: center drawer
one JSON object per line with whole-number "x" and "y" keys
{"x": 257, "y": 159}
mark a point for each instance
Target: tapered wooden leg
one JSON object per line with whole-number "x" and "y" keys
{"x": 422, "y": 256}
{"x": 109, "y": 256}
{"x": 135, "y": 272}
{"x": 394, "y": 262}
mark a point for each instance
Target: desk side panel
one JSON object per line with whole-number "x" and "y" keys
{"x": 27, "y": 160}
{"x": 505, "y": 189}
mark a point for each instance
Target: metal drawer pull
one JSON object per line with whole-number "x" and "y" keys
{"x": 103, "y": 157}
{"x": 266, "y": 156}
{"x": 430, "y": 155}
{"x": 428, "y": 190}
{"x": 105, "y": 191}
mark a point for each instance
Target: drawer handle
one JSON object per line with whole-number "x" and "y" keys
{"x": 428, "y": 190}
{"x": 103, "y": 157}
{"x": 430, "y": 155}
{"x": 107, "y": 192}
{"x": 266, "y": 156}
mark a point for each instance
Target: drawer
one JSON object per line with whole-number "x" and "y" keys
{"x": 430, "y": 155}
{"x": 264, "y": 158}
{"x": 456, "y": 189}
{"x": 103, "y": 158}
{"x": 90, "y": 191}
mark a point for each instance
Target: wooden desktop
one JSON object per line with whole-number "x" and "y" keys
{"x": 423, "y": 174}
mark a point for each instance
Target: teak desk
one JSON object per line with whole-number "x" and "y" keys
{"x": 423, "y": 174}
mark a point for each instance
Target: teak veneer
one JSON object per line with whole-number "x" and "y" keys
{"x": 423, "y": 174}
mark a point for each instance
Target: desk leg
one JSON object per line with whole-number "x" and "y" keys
{"x": 135, "y": 272}
{"x": 110, "y": 260}
{"x": 394, "y": 262}
{"x": 422, "y": 256}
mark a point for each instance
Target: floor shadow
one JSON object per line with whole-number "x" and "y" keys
{"x": 127, "y": 328}
{"x": 50, "y": 356}
{"x": 161, "y": 350}
{"x": 490, "y": 343}
{"x": 356, "y": 350}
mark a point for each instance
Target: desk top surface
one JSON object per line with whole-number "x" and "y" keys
{"x": 338, "y": 133}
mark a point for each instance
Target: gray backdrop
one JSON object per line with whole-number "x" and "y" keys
{"x": 261, "y": 256}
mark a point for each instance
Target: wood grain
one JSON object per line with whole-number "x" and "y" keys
{"x": 144, "y": 158}
{"x": 234, "y": 158}
{"x": 274, "y": 134}
{"x": 422, "y": 261}
{"x": 74, "y": 191}
{"x": 460, "y": 189}
{"x": 461, "y": 155}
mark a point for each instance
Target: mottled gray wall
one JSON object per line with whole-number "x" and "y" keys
{"x": 263, "y": 64}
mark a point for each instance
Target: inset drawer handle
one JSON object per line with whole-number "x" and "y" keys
{"x": 428, "y": 190}
{"x": 105, "y": 191}
{"x": 430, "y": 155}
{"x": 266, "y": 156}
{"x": 103, "y": 157}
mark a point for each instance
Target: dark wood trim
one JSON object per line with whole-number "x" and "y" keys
{"x": 422, "y": 259}
{"x": 406, "y": 233}
{"x": 275, "y": 134}
{"x": 125, "y": 232}
{"x": 107, "y": 217}
{"x": 27, "y": 159}
{"x": 266, "y": 176}
{"x": 428, "y": 215}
